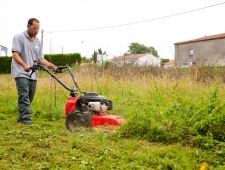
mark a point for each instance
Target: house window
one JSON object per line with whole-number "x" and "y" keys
{"x": 191, "y": 52}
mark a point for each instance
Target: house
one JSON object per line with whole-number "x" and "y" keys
{"x": 207, "y": 50}
{"x": 101, "y": 58}
{"x": 170, "y": 64}
{"x": 137, "y": 59}
{"x": 5, "y": 49}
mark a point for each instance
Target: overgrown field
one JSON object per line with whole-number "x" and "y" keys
{"x": 175, "y": 120}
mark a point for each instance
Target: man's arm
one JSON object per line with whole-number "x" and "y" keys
{"x": 17, "y": 58}
{"x": 48, "y": 64}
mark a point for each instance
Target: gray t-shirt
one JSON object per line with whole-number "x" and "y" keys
{"x": 29, "y": 52}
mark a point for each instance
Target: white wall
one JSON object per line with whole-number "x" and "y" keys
{"x": 102, "y": 57}
{"x": 149, "y": 60}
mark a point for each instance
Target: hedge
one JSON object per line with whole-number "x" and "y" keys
{"x": 5, "y": 64}
{"x": 57, "y": 59}
{"x": 64, "y": 59}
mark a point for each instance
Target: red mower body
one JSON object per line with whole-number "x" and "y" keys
{"x": 71, "y": 105}
{"x": 101, "y": 119}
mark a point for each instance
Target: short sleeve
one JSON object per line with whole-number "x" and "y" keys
{"x": 17, "y": 44}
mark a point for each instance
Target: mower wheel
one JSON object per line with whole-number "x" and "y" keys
{"x": 76, "y": 119}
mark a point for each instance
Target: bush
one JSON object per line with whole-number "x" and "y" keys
{"x": 57, "y": 59}
{"x": 5, "y": 64}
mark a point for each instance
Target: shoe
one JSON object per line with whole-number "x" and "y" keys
{"x": 26, "y": 122}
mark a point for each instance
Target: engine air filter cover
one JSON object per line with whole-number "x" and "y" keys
{"x": 92, "y": 96}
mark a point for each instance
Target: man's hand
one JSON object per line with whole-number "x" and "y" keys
{"x": 26, "y": 68}
{"x": 55, "y": 69}
{"x": 17, "y": 58}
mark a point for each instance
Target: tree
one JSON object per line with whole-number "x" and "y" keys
{"x": 136, "y": 48}
{"x": 153, "y": 51}
{"x": 164, "y": 60}
{"x": 94, "y": 57}
{"x": 100, "y": 51}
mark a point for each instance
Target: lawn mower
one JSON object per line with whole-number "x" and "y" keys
{"x": 86, "y": 110}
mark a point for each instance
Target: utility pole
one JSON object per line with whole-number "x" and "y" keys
{"x": 62, "y": 50}
{"x": 42, "y": 32}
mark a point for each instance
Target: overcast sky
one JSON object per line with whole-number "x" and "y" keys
{"x": 72, "y": 25}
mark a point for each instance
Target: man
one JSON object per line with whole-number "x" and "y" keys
{"x": 26, "y": 48}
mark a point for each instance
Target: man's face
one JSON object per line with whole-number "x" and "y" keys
{"x": 33, "y": 29}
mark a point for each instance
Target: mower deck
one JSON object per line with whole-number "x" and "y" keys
{"x": 110, "y": 122}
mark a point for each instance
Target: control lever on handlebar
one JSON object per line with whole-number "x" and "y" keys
{"x": 34, "y": 68}
{"x": 59, "y": 69}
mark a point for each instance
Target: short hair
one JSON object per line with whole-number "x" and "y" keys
{"x": 31, "y": 20}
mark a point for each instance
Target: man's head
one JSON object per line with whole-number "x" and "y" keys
{"x": 33, "y": 26}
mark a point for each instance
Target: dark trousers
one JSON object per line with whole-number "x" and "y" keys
{"x": 26, "y": 89}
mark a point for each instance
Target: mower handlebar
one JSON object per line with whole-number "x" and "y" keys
{"x": 37, "y": 66}
{"x": 58, "y": 70}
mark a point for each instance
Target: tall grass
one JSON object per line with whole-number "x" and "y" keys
{"x": 182, "y": 107}
{"x": 161, "y": 105}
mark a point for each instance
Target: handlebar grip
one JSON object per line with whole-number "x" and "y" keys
{"x": 60, "y": 68}
{"x": 57, "y": 71}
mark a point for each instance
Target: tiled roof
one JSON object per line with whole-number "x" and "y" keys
{"x": 170, "y": 62}
{"x": 205, "y": 38}
{"x": 133, "y": 56}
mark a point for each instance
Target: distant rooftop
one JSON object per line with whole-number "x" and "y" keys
{"x": 132, "y": 56}
{"x": 3, "y": 46}
{"x": 205, "y": 38}
{"x": 170, "y": 62}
